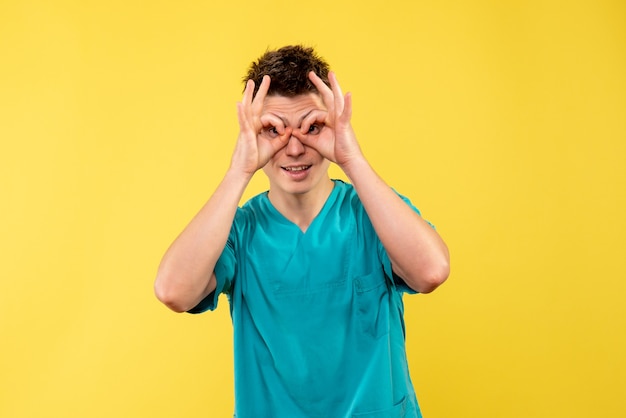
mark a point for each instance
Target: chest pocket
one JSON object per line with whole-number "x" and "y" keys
{"x": 372, "y": 296}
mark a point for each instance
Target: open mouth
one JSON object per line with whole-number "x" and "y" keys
{"x": 296, "y": 169}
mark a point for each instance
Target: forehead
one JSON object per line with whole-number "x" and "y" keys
{"x": 286, "y": 106}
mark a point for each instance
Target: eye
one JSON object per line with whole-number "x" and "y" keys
{"x": 271, "y": 131}
{"x": 314, "y": 129}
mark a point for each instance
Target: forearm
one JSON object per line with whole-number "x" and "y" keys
{"x": 417, "y": 252}
{"x": 185, "y": 275}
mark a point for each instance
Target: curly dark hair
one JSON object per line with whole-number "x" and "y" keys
{"x": 288, "y": 68}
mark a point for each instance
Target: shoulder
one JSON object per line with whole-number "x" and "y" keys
{"x": 344, "y": 191}
{"x": 255, "y": 203}
{"x": 251, "y": 213}
{"x": 346, "y": 200}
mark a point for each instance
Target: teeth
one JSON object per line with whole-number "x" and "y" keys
{"x": 303, "y": 167}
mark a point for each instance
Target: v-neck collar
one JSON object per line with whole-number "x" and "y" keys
{"x": 284, "y": 220}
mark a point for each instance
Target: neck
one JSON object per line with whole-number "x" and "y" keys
{"x": 302, "y": 208}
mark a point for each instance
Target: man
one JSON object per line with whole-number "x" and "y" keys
{"x": 315, "y": 268}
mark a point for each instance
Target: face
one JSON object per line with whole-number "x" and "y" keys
{"x": 297, "y": 168}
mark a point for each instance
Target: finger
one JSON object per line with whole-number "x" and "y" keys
{"x": 272, "y": 145}
{"x": 257, "y": 103}
{"x": 346, "y": 115}
{"x": 248, "y": 92}
{"x": 269, "y": 121}
{"x": 323, "y": 89}
{"x": 318, "y": 116}
{"x": 243, "y": 107}
{"x": 281, "y": 141}
{"x": 309, "y": 140}
{"x": 337, "y": 93}
{"x": 242, "y": 117}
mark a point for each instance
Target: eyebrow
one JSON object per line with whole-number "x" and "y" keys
{"x": 299, "y": 122}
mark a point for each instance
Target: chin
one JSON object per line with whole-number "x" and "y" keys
{"x": 297, "y": 188}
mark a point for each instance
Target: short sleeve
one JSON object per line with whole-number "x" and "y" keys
{"x": 224, "y": 275}
{"x": 397, "y": 280}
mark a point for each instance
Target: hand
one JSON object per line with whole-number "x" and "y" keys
{"x": 260, "y": 136}
{"x": 330, "y": 132}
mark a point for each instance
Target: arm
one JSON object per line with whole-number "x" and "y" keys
{"x": 185, "y": 275}
{"x": 417, "y": 253}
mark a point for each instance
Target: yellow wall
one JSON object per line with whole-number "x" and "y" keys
{"x": 505, "y": 122}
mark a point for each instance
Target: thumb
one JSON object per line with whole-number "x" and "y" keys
{"x": 281, "y": 141}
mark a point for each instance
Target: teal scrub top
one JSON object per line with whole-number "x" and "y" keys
{"x": 317, "y": 316}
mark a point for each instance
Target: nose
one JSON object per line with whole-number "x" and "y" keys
{"x": 294, "y": 147}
